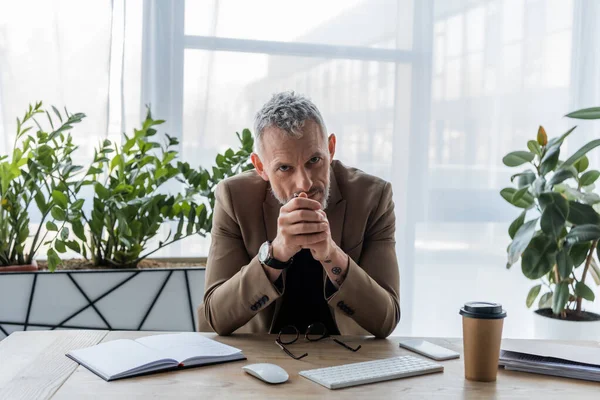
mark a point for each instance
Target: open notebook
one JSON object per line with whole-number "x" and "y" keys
{"x": 124, "y": 358}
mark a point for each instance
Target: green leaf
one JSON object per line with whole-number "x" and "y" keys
{"x": 583, "y": 233}
{"x": 57, "y": 114}
{"x": 521, "y": 241}
{"x": 524, "y": 179}
{"x": 589, "y": 178}
{"x": 58, "y": 214}
{"x": 217, "y": 173}
{"x": 557, "y": 141}
{"x": 564, "y": 263}
{"x": 545, "y": 301}
{"x": 123, "y": 240}
{"x": 201, "y": 212}
{"x": 191, "y": 217}
{"x": 525, "y": 202}
{"x": 53, "y": 259}
{"x": 50, "y": 120}
{"x": 539, "y": 186}
{"x": 40, "y": 201}
{"x": 116, "y": 161}
{"x": 561, "y": 175}
{"x": 179, "y": 228}
{"x": 534, "y": 147}
{"x": 246, "y": 136}
{"x": 539, "y": 257}
{"x": 78, "y": 204}
{"x": 583, "y": 290}
{"x": 64, "y": 233}
{"x": 516, "y": 224}
{"x": 59, "y": 245}
{"x": 51, "y": 226}
{"x": 532, "y": 295}
{"x": 517, "y": 158}
{"x": 582, "y": 164}
{"x": 159, "y": 173}
{"x": 554, "y": 216}
{"x": 519, "y": 194}
{"x": 102, "y": 192}
{"x": 128, "y": 145}
{"x": 582, "y": 151}
{"x": 60, "y": 199}
{"x": 550, "y": 160}
{"x": 585, "y": 113}
{"x": 560, "y": 298}
{"x": 581, "y": 214}
{"x": 73, "y": 245}
{"x": 94, "y": 171}
{"x": 579, "y": 252}
{"x": 78, "y": 229}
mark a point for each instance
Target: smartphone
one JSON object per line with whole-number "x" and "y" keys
{"x": 429, "y": 349}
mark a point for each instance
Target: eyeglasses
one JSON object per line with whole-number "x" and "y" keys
{"x": 315, "y": 332}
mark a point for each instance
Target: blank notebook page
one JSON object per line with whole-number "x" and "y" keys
{"x": 182, "y": 346}
{"x": 117, "y": 356}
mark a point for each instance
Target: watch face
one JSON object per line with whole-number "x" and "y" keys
{"x": 263, "y": 252}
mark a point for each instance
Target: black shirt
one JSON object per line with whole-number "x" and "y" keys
{"x": 304, "y": 299}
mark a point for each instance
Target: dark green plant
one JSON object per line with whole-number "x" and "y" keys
{"x": 39, "y": 170}
{"x": 132, "y": 202}
{"x": 558, "y": 231}
{"x": 229, "y": 163}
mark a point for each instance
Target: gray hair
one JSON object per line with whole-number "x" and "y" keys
{"x": 288, "y": 111}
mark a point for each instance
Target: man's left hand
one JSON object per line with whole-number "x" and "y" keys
{"x": 332, "y": 258}
{"x": 322, "y": 250}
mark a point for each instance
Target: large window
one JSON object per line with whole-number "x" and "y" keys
{"x": 427, "y": 94}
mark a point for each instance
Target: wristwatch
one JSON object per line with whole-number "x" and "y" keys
{"x": 265, "y": 256}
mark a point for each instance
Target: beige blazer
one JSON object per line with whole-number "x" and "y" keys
{"x": 240, "y": 298}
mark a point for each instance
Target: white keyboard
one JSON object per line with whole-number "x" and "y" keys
{"x": 361, "y": 373}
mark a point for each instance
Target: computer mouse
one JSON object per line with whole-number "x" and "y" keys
{"x": 269, "y": 373}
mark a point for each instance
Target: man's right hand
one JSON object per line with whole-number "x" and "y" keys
{"x": 298, "y": 225}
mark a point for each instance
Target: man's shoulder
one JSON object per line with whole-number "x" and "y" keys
{"x": 354, "y": 182}
{"x": 246, "y": 185}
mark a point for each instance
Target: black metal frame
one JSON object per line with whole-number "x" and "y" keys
{"x": 91, "y": 303}
{"x": 294, "y": 331}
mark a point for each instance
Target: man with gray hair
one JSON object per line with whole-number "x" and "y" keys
{"x": 302, "y": 239}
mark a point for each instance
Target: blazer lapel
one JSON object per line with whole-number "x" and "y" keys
{"x": 336, "y": 210}
{"x": 270, "y": 214}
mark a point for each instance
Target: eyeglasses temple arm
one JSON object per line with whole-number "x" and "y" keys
{"x": 345, "y": 345}
{"x": 289, "y": 353}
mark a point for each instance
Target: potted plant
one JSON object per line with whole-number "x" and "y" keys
{"x": 38, "y": 172}
{"x": 556, "y": 235}
{"x": 134, "y": 188}
{"x": 132, "y": 200}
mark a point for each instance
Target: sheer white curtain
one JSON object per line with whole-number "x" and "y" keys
{"x": 427, "y": 94}
{"x": 85, "y": 56}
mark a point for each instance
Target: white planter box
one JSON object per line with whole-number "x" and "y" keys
{"x": 557, "y": 329}
{"x": 149, "y": 299}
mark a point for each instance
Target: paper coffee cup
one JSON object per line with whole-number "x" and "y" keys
{"x": 482, "y": 334}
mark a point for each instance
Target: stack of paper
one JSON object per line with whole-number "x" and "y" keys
{"x": 547, "y": 358}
